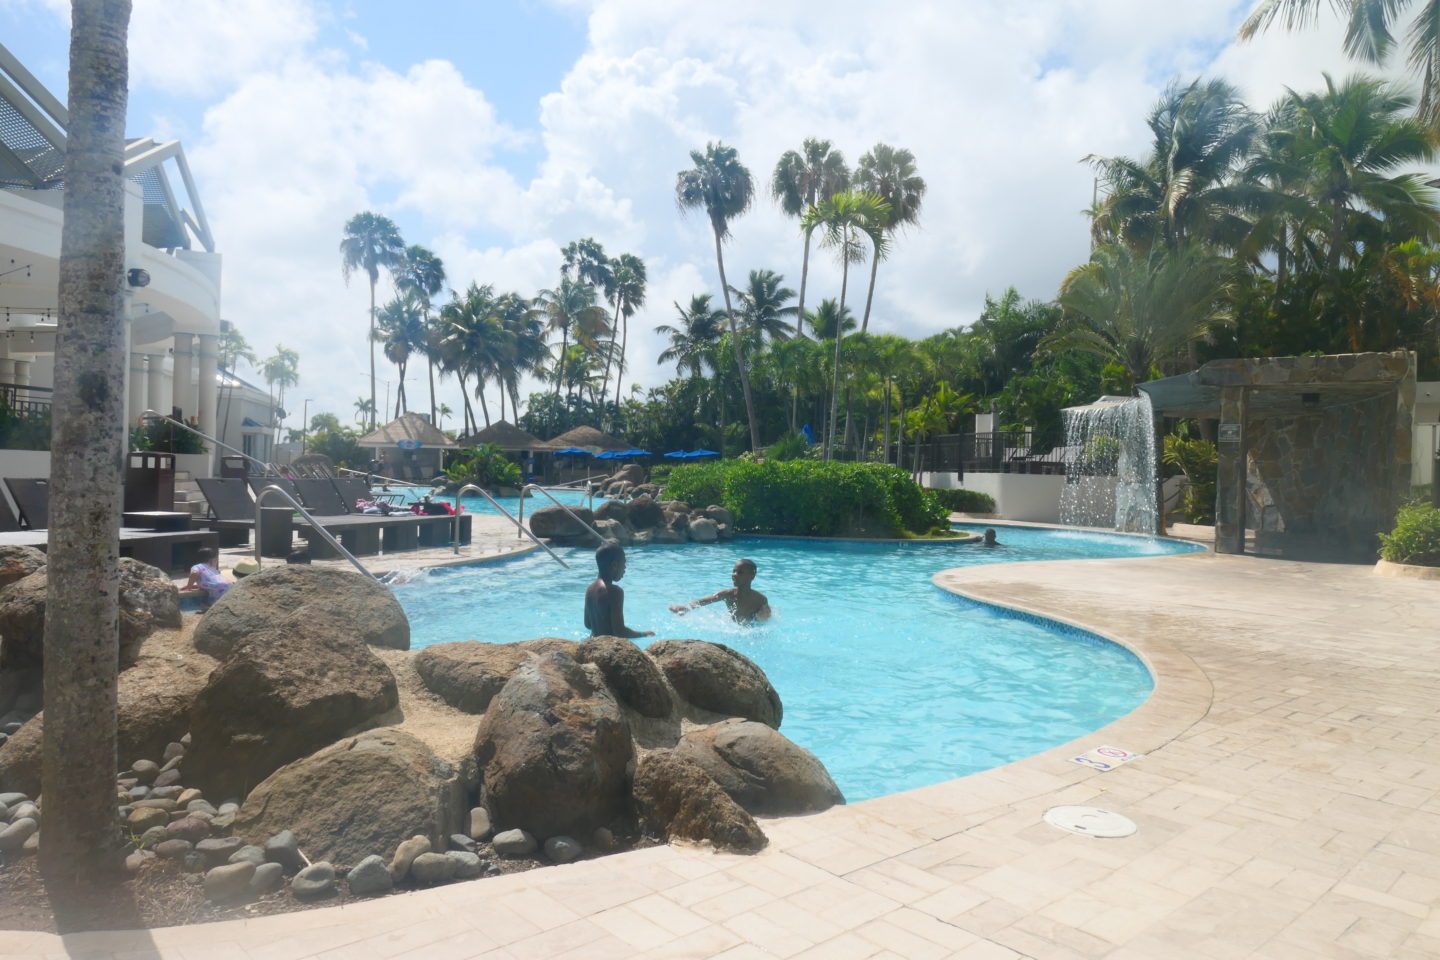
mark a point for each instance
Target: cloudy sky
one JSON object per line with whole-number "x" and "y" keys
{"x": 495, "y": 131}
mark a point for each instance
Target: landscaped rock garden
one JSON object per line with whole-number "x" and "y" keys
{"x": 289, "y": 749}
{"x": 636, "y": 516}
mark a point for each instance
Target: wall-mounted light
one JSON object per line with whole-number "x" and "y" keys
{"x": 138, "y": 277}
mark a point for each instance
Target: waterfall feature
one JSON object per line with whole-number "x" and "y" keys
{"x": 1110, "y": 465}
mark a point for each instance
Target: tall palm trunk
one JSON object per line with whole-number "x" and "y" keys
{"x": 430, "y": 363}
{"x": 739, "y": 353}
{"x": 480, "y": 395}
{"x": 82, "y": 646}
{"x": 560, "y": 365}
{"x": 620, "y": 367}
{"x": 839, "y": 336}
{"x": 400, "y": 404}
{"x": 887, "y": 419}
{"x": 373, "y": 407}
{"x": 874, "y": 266}
{"x": 804, "y": 276}
{"x": 470, "y": 425}
{"x": 610, "y": 355}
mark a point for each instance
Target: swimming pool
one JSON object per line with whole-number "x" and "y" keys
{"x": 474, "y": 504}
{"x": 891, "y": 681}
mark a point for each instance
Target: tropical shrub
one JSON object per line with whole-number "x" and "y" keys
{"x": 1416, "y": 537}
{"x": 792, "y": 446}
{"x": 162, "y": 436}
{"x": 1198, "y": 460}
{"x": 965, "y": 501}
{"x": 811, "y": 498}
{"x": 18, "y": 432}
{"x": 485, "y": 466}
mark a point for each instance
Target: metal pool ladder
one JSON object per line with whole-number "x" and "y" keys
{"x": 520, "y": 526}
{"x": 272, "y": 488}
{"x": 535, "y": 486}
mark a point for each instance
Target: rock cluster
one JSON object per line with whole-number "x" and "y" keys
{"x": 639, "y": 521}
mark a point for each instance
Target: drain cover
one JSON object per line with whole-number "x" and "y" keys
{"x": 1090, "y": 821}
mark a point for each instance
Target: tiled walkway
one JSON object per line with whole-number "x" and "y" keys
{"x": 1288, "y": 809}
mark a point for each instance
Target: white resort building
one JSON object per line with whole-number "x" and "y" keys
{"x": 172, "y": 269}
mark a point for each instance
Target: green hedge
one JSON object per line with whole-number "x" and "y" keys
{"x": 965, "y": 501}
{"x": 1416, "y": 537}
{"x": 811, "y": 498}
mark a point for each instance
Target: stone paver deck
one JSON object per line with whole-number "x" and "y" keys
{"x": 1288, "y": 809}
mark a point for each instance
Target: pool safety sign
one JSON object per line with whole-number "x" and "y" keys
{"x": 1106, "y": 758}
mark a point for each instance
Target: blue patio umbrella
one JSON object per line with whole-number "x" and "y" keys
{"x": 635, "y": 452}
{"x": 572, "y": 452}
{"x": 697, "y": 454}
{"x": 676, "y": 454}
{"x": 608, "y": 455}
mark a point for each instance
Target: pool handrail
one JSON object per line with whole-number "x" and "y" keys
{"x": 266, "y": 469}
{"x": 455, "y": 523}
{"x": 370, "y": 474}
{"x": 535, "y": 486}
{"x": 314, "y": 525}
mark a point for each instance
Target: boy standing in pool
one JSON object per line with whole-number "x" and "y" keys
{"x": 604, "y": 600}
{"x": 745, "y": 604}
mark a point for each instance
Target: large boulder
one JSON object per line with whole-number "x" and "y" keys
{"x": 613, "y": 530}
{"x": 553, "y": 748}
{"x": 617, "y": 510}
{"x": 632, "y": 675}
{"x": 677, "y": 800}
{"x": 357, "y": 797}
{"x": 154, "y": 699}
{"x": 719, "y": 514}
{"x": 555, "y": 523}
{"x": 714, "y": 677}
{"x": 263, "y": 600}
{"x": 281, "y": 694}
{"x": 17, "y": 563}
{"x": 148, "y": 601}
{"x": 704, "y": 530}
{"x": 645, "y": 514}
{"x": 630, "y": 473}
{"x": 760, "y": 768}
{"x": 467, "y": 674}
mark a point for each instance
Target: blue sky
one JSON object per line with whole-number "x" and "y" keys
{"x": 496, "y": 132}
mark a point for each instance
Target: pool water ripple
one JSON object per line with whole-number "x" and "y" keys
{"x": 891, "y": 681}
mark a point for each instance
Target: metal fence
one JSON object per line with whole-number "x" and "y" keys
{"x": 25, "y": 402}
{"x": 999, "y": 451}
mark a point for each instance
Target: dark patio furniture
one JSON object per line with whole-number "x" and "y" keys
{"x": 321, "y": 498}
{"x": 32, "y": 499}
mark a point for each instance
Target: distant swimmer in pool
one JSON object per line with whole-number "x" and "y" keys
{"x": 604, "y": 600}
{"x": 745, "y": 604}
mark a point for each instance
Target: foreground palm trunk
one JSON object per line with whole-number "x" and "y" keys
{"x": 81, "y": 624}
{"x": 739, "y": 354}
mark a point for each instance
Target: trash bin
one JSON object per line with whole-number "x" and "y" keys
{"x": 149, "y": 481}
{"x": 276, "y": 532}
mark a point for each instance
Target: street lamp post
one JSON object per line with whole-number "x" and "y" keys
{"x": 304, "y": 426}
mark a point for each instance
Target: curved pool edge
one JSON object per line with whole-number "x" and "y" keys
{"x": 1181, "y": 697}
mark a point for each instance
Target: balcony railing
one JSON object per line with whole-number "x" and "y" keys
{"x": 24, "y": 417}
{"x": 999, "y": 451}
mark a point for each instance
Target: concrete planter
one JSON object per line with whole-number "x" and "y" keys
{"x": 198, "y": 464}
{"x": 1406, "y": 571}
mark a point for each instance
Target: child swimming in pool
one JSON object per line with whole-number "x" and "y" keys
{"x": 745, "y": 604}
{"x": 604, "y": 600}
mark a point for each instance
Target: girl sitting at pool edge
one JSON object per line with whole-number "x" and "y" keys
{"x": 745, "y": 604}
{"x": 207, "y": 576}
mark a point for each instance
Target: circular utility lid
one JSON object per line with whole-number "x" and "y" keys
{"x": 1090, "y": 821}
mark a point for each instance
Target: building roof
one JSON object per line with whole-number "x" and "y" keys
{"x": 408, "y": 426}
{"x": 587, "y": 437}
{"x": 506, "y": 436}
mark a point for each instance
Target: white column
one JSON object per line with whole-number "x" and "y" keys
{"x": 157, "y": 398}
{"x": 7, "y": 370}
{"x": 21, "y": 376}
{"x": 208, "y": 386}
{"x": 138, "y": 386}
{"x": 183, "y": 386}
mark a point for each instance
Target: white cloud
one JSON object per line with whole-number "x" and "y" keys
{"x": 999, "y": 102}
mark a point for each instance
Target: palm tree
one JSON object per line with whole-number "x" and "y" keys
{"x": 691, "y": 342}
{"x": 586, "y": 260}
{"x": 626, "y": 291}
{"x": 401, "y": 329}
{"x": 1350, "y": 139}
{"x": 1184, "y": 190}
{"x": 846, "y": 217}
{"x": 721, "y": 185}
{"x": 890, "y": 175}
{"x": 81, "y": 643}
{"x": 1138, "y": 309}
{"x": 571, "y": 307}
{"x": 1369, "y": 36}
{"x": 524, "y": 326}
{"x": 763, "y": 310}
{"x": 364, "y": 410}
{"x": 371, "y": 241}
{"x": 800, "y": 181}
{"x": 282, "y": 369}
{"x": 422, "y": 275}
{"x": 829, "y": 317}
{"x": 476, "y": 344}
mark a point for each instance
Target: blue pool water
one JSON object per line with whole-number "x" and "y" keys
{"x": 474, "y": 504}
{"x": 891, "y": 681}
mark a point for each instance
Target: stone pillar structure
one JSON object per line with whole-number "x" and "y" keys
{"x": 182, "y": 388}
{"x": 21, "y": 375}
{"x": 7, "y": 370}
{"x": 1230, "y": 473}
{"x": 207, "y": 387}
{"x": 157, "y": 398}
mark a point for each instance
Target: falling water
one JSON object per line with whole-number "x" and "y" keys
{"x": 1110, "y": 465}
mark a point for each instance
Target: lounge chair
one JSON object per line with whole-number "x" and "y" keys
{"x": 321, "y": 498}
{"x": 9, "y": 523}
{"x": 32, "y": 499}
